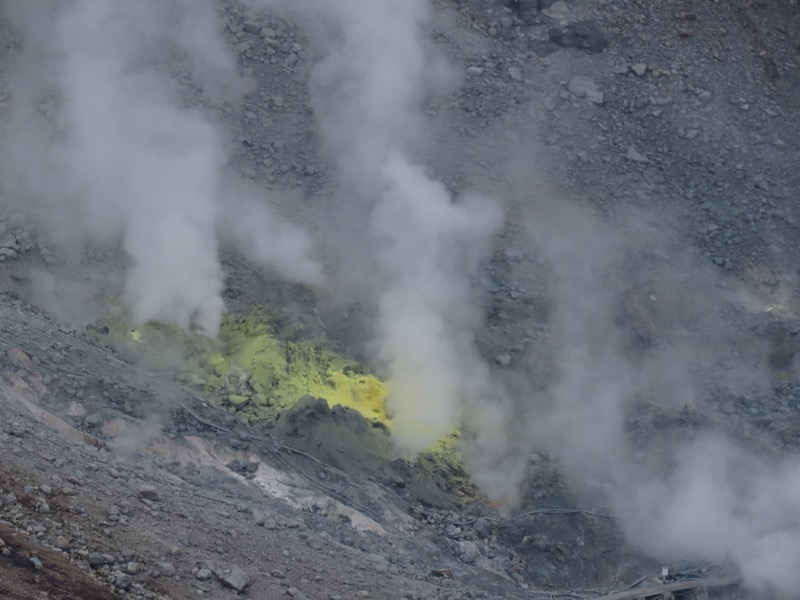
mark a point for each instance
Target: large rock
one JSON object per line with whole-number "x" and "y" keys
{"x": 583, "y": 35}
{"x": 235, "y": 578}
{"x": 148, "y": 492}
{"x": 585, "y": 87}
{"x": 339, "y": 436}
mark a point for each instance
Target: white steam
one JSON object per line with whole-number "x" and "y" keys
{"x": 425, "y": 246}
{"x": 722, "y": 504}
{"x": 693, "y": 495}
{"x": 103, "y": 149}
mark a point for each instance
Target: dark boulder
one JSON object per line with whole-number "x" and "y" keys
{"x": 583, "y": 35}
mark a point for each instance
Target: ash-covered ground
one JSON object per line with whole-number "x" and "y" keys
{"x": 564, "y": 234}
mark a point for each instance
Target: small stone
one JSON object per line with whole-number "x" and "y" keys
{"x": 315, "y": 543}
{"x": 515, "y": 73}
{"x": 203, "y": 574}
{"x": 639, "y": 69}
{"x": 133, "y": 567}
{"x": 46, "y": 489}
{"x": 37, "y": 564}
{"x": 238, "y": 401}
{"x": 148, "y": 492}
{"x": 296, "y": 594}
{"x": 123, "y": 581}
{"x": 452, "y": 531}
{"x": 236, "y": 579}
{"x": 636, "y": 156}
{"x": 93, "y": 420}
{"x": 470, "y": 553}
{"x": 483, "y": 527}
{"x": 558, "y": 7}
{"x": 595, "y": 97}
{"x": 166, "y": 569}
{"x": 583, "y": 35}
{"x": 96, "y": 560}
{"x": 21, "y": 359}
{"x": 504, "y": 360}
{"x": 61, "y": 543}
{"x": 259, "y": 518}
{"x": 76, "y": 480}
{"x": 379, "y": 563}
{"x": 474, "y": 70}
{"x": 578, "y": 85}
{"x": 362, "y": 594}
{"x": 761, "y": 182}
{"x": 585, "y": 87}
{"x": 252, "y": 28}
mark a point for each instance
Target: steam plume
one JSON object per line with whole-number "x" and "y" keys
{"x": 694, "y": 494}
{"x": 367, "y": 93}
{"x": 102, "y": 148}
{"x": 722, "y": 504}
{"x": 96, "y": 110}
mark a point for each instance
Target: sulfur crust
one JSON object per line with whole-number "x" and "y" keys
{"x": 253, "y": 372}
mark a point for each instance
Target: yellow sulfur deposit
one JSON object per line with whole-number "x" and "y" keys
{"x": 279, "y": 373}
{"x": 259, "y": 373}
{"x": 254, "y": 372}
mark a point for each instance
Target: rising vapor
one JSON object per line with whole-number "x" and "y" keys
{"x": 102, "y": 149}
{"x": 367, "y": 94}
{"x": 99, "y": 147}
{"x": 720, "y": 503}
{"x": 688, "y": 494}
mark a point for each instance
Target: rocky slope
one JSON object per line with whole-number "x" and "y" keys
{"x": 645, "y": 154}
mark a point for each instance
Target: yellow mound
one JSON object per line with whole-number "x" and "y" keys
{"x": 255, "y": 373}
